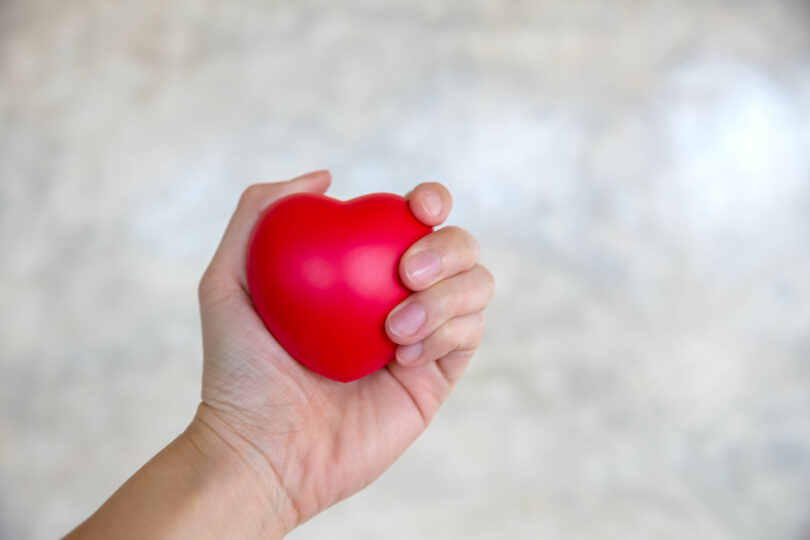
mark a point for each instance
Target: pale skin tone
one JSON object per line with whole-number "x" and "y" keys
{"x": 272, "y": 444}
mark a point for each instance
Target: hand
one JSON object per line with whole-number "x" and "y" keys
{"x": 272, "y": 443}
{"x": 318, "y": 440}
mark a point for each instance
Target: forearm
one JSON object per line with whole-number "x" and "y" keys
{"x": 204, "y": 484}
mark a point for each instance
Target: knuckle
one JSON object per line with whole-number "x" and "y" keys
{"x": 479, "y": 321}
{"x": 453, "y": 232}
{"x": 206, "y": 292}
{"x": 212, "y": 290}
{"x": 472, "y": 244}
{"x": 473, "y": 343}
{"x": 476, "y": 332}
{"x": 475, "y": 247}
{"x": 489, "y": 279}
{"x": 445, "y": 339}
{"x": 203, "y": 286}
{"x": 251, "y": 195}
{"x": 463, "y": 242}
{"x": 445, "y": 334}
{"x": 215, "y": 297}
{"x": 453, "y": 242}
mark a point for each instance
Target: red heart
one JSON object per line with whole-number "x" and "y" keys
{"x": 323, "y": 275}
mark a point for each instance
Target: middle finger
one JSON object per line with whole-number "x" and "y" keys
{"x": 423, "y": 312}
{"x": 437, "y": 256}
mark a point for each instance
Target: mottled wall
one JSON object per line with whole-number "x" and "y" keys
{"x": 638, "y": 174}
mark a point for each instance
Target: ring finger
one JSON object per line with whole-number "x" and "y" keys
{"x": 458, "y": 334}
{"x": 423, "y": 312}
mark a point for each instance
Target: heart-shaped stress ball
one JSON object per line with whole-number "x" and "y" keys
{"x": 323, "y": 275}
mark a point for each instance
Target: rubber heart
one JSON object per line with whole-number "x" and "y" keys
{"x": 323, "y": 275}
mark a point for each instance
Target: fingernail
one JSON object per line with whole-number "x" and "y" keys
{"x": 432, "y": 204}
{"x": 408, "y": 320}
{"x": 423, "y": 267}
{"x": 409, "y": 353}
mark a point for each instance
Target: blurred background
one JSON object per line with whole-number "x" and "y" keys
{"x": 637, "y": 172}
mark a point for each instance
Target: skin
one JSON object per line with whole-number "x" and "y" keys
{"x": 273, "y": 444}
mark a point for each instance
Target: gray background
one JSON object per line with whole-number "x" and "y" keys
{"x": 637, "y": 172}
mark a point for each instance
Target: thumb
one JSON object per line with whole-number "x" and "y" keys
{"x": 228, "y": 263}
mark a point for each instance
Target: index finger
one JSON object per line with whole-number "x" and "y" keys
{"x": 430, "y": 203}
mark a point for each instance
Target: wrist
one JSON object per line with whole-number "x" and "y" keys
{"x": 240, "y": 479}
{"x": 206, "y": 484}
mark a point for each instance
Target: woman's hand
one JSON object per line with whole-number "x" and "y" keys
{"x": 323, "y": 439}
{"x": 273, "y": 443}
